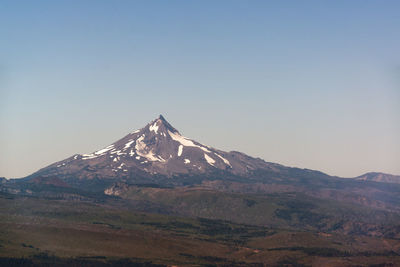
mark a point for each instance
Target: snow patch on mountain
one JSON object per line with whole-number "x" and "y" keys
{"x": 154, "y": 127}
{"x": 88, "y": 156}
{"x": 127, "y": 145}
{"x": 209, "y": 159}
{"x": 97, "y": 153}
{"x": 180, "y": 149}
{"x": 140, "y": 145}
{"x": 224, "y": 159}
{"x": 141, "y": 150}
{"x": 118, "y": 152}
{"x": 185, "y": 142}
{"x": 104, "y": 150}
{"x": 120, "y": 166}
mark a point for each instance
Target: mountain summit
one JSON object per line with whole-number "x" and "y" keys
{"x": 156, "y": 149}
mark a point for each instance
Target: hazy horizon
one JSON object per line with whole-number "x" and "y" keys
{"x": 311, "y": 85}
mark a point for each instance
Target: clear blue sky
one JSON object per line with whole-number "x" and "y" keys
{"x": 313, "y": 84}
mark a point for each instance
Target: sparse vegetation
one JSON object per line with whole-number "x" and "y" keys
{"x": 115, "y": 232}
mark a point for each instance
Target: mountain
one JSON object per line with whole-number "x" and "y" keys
{"x": 159, "y": 154}
{"x": 158, "y": 149}
{"x": 379, "y": 177}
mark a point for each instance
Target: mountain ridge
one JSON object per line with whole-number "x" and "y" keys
{"x": 379, "y": 177}
{"x": 158, "y": 152}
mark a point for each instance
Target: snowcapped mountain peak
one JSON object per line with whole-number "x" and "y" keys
{"x": 157, "y": 148}
{"x": 158, "y": 126}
